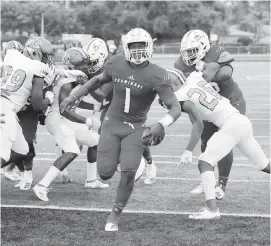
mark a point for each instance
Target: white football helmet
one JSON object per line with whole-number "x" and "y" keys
{"x": 138, "y": 56}
{"x": 194, "y": 46}
{"x": 97, "y": 50}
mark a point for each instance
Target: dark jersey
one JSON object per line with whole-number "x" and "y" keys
{"x": 134, "y": 90}
{"x": 227, "y": 88}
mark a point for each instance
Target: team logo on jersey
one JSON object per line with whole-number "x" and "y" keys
{"x": 131, "y": 77}
{"x": 128, "y": 82}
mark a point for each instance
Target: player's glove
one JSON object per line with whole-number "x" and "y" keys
{"x": 200, "y": 66}
{"x": 153, "y": 135}
{"x": 93, "y": 123}
{"x": 186, "y": 158}
{"x": 50, "y": 95}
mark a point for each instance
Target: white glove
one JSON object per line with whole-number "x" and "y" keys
{"x": 93, "y": 123}
{"x": 186, "y": 158}
{"x": 50, "y": 95}
{"x": 200, "y": 66}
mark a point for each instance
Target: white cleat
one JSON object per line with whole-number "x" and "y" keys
{"x": 65, "y": 179}
{"x": 24, "y": 184}
{"x": 95, "y": 184}
{"x": 111, "y": 227}
{"x": 198, "y": 190}
{"x": 41, "y": 192}
{"x": 140, "y": 169}
{"x": 205, "y": 214}
{"x": 150, "y": 174}
{"x": 12, "y": 175}
{"x": 219, "y": 193}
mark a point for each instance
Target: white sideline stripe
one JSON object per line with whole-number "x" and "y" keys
{"x": 167, "y": 135}
{"x": 254, "y": 106}
{"x": 158, "y": 156}
{"x": 156, "y": 162}
{"x": 127, "y": 210}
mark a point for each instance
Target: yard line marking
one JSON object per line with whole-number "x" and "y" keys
{"x": 254, "y": 106}
{"x": 158, "y": 156}
{"x": 156, "y": 162}
{"x": 128, "y": 210}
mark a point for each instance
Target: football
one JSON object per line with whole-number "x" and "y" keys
{"x": 147, "y": 136}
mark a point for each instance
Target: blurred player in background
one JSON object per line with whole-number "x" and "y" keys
{"x": 25, "y": 75}
{"x": 235, "y": 129}
{"x": 97, "y": 50}
{"x": 215, "y": 62}
{"x": 69, "y": 128}
{"x": 136, "y": 82}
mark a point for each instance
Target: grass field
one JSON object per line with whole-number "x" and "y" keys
{"x": 156, "y": 214}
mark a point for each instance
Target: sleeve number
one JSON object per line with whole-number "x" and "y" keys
{"x": 203, "y": 95}
{"x": 127, "y": 100}
{"x": 13, "y": 82}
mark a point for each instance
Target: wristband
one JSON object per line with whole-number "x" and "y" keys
{"x": 166, "y": 121}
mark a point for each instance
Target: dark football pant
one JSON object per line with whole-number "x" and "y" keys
{"x": 119, "y": 142}
{"x": 224, "y": 165}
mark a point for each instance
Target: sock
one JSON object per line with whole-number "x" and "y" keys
{"x": 224, "y": 169}
{"x": 208, "y": 184}
{"x": 50, "y": 176}
{"x": 28, "y": 175}
{"x": 91, "y": 171}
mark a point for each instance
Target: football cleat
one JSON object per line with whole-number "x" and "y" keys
{"x": 150, "y": 173}
{"x": 41, "y": 192}
{"x": 205, "y": 214}
{"x": 140, "y": 169}
{"x": 95, "y": 184}
{"x": 219, "y": 193}
{"x": 64, "y": 176}
{"x": 198, "y": 190}
{"x": 111, "y": 227}
{"x": 12, "y": 175}
{"x": 24, "y": 184}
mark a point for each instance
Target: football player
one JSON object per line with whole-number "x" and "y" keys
{"x": 25, "y": 75}
{"x": 97, "y": 50}
{"x": 215, "y": 62}
{"x": 10, "y": 172}
{"x": 235, "y": 129}
{"x": 70, "y": 128}
{"x": 136, "y": 82}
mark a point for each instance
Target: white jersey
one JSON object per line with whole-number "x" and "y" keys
{"x": 216, "y": 108}
{"x": 16, "y": 79}
{"x": 65, "y": 77}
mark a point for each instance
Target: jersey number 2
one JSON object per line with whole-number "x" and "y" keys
{"x": 203, "y": 95}
{"x": 127, "y": 100}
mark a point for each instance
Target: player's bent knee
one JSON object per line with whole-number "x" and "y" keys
{"x": 92, "y": 154}
{"x": 106, "y": 176}
{"x": 205, "y": 166}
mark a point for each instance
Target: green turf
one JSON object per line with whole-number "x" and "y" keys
{"x": 56, "y": 227}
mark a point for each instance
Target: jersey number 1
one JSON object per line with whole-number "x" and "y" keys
{"x": 127, "y": 100}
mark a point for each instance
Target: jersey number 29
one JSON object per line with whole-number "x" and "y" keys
{"x": 203, "y": 95}
{"x": 13, "y": 82}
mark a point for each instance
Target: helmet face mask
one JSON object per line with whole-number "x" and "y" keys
{"x": 194, "y": 46}
{"x": 97, "y": 50}
{"x": 138, "y": 46}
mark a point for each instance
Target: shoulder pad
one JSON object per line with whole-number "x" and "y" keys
{"x": 224, "y": 58}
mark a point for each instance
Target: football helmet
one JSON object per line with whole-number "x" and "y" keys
{"x": 140, "y": 55}
{"x": 39, "y": 48}
{"x": 76, "y": 59}
{"x": 194, "y": 46}
{"x": 11, "y": 45}
{"x": 97, "y": 50}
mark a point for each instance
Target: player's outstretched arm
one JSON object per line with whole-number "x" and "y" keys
{"x": 197, "y": 121}
{"x": 169, "y": 99}
{"x": 101, "y": 93}
{"x": 39, "y": 103}
{"x": 88, "y": 87}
